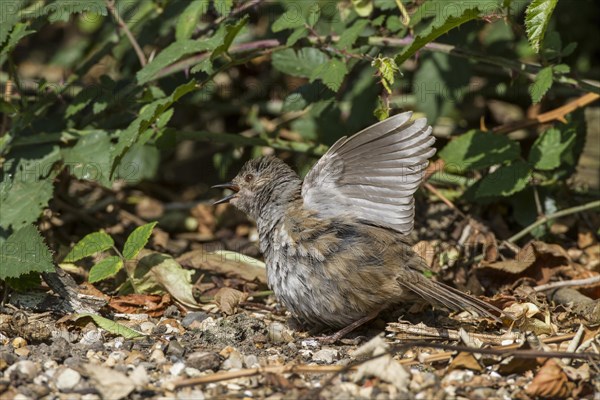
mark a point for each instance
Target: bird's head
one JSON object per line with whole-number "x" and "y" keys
{"x": 262, "y": 183}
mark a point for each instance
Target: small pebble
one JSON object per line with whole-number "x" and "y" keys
{"x": 192, "y": 372}
{"x": 67, "y": 379}
{"x": 177, "y": 368}
{"x": 235, "y": 360}
{"x": 19, "y": 342}
{"x": 326, "y": 355}
{"x": 158, "y": 356}
{"x": 203, "y": 360}
{"x": 147, "y": 327}
{"x": 175, "y": 349}
{"x": 27, "y": 368}
{"x": 193, "y": 319}
{"x": 251, "y": 361}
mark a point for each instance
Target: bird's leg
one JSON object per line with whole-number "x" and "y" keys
{"x": 330, "y": 339}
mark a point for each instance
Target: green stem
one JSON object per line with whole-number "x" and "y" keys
{"x": 558, "y": 214}
{"x": 130, "y": 277}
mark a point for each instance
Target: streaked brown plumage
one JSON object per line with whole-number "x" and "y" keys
{"x": 335, "y": 244}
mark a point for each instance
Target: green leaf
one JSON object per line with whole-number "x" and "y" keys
{"x": 137, "y": 240}
{"x": 306, "y": 95}
{"x": 436, "y": 30}
{"x": 290, "y": 19}
{"x": 541, "y": 84}
{"x": 331, "y": 73}
{"x": 25, "y": 199}
{"x": 505, "y": 181}
{"x": 477, "y": 150}
{"x": 537, "y": 18}
{"x": 383, "y": 109}
{"x": 350, "y": 35}
{"x": 61, "y": 10}
{"x": 387, "y": 69}
{"x": 223, "y": 7}
{"x": 89, "y": 159}
{"x": 90, "y": 244}
{"x": 363, "y": 8}
{"x": 301, "y": 63}
{"x": 139, "y": 163}
{"x": 111, "y": 326}
{"x": 24, "y": 252}
{"x": 189, "y": 19}
{"x": 19, "y": 32}
{"x": 561, "y": 69}
{"x": 148, "y": 115}
{"x": 298, "y": 34}
{"x": 106, "y": 268}
{"x": 547, "y": 152}
{"x": 231, "y": 31}
{"x": 10, "y": 16}
{"x": 176, "y": 51}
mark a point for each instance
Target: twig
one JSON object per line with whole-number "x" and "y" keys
{"x": 558, "y": 114}
{"x": 503, "y": 351}
{"x": 443, "y": 198}
{"x": 516, "y": 66}
{"x": 575, "y": 282}
{"x": 243, "y": 7}
{"x": 405, "y": 331}
{"x": 575, "y": 343}
{"x": 267, "y": 45}
{"x": 562, "y": 213}
{"x": 110, "y": 4}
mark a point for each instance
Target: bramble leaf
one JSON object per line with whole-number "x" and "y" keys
{"x": 137, "y": 240}
{"x": 90, "y": 244}
{"x": 477, "y": 150}
{"x": 24, "y": 252}
{"x": 105, "y": 268}
{"x": 537, "y": 18}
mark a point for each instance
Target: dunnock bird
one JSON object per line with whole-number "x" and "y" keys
{"x": 335, "y": 245}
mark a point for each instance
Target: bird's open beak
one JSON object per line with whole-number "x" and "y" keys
{"x": 228, "y": 185}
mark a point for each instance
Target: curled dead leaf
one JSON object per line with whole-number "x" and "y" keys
{"x": 537, "y": 260}
{"x": 228, "y": 299}
{"x": 550, "y": 381}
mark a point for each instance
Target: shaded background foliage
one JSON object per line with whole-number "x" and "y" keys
{"x": 178, "y": 94}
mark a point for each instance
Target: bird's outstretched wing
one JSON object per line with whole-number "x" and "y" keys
{"x": 373, "y": 174}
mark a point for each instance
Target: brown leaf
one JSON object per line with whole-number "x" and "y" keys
{"x": 226, "y": 263}
{"x": 228, "y": 299}
{"x": 550, "y": 381}
{"x": 586, "y": 238}
{"x": 537, "y": 260}
{"x": 426, "y": 250}
{"x": 464, "y": 360}
{"x": 151, "y": 304}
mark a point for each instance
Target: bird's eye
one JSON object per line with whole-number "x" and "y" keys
{"x": 249, "y": 178}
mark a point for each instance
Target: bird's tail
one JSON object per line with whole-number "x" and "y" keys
{"x": 451, "y": 298}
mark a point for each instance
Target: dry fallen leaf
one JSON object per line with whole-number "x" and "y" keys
{"x": 550, "y": 381}
{"x": 151, "y": 304}
{"x": 464, "y": 360}
{"x": 384, "y": 367}
{"x": 228, "y": 299}
{"x": 226, "y": 263}
{"x": 537, "y": 260}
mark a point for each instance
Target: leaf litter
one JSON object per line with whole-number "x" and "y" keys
{"x": 206, "y": 326}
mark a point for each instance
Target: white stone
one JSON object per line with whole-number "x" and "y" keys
{"x": 67, "y": 379}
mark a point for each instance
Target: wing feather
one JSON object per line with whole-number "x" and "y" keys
{"x": 373, "y": 174}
